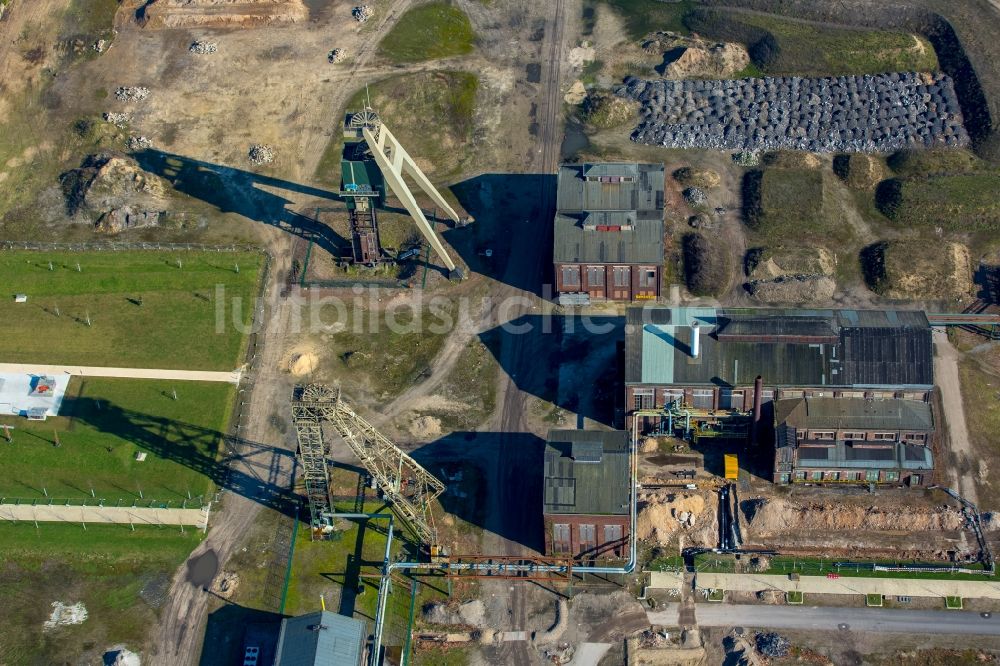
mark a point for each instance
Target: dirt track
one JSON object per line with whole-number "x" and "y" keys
{"x": 946, "y": 376}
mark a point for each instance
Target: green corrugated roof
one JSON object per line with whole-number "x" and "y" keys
{"x": 641, "y": 245}
{"x": 854, "y": 414}
{"x": 585, "y": 487}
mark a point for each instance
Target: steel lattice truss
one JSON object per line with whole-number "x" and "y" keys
{"x": 407, "y": 486}
{"x": 312, "y": 454}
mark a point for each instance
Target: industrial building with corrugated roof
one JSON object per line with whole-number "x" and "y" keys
{"x": 608, "y": 232}
{"x": 586, "y": 493}
{"x": 830, "y": 440}
{"x": 709, "y": 357}
{"x": 321, "y": 639}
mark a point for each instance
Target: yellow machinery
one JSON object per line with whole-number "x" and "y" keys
{"x": 732, "y": 467}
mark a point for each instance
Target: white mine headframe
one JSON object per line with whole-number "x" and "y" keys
{"x": 393, "y": 161}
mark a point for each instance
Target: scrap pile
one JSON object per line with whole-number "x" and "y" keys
{"x": 870, "y": 113}
{"x": 772, "y": 645}
{"x": 131, "y": 93}
{"x": 119, "y": 120}
{"x": 362, "y": 13}
{"x": 261, "y": 154}
{"x": 138, "y": 143}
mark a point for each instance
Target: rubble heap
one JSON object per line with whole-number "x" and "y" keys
{"x": 139, "y": 143}
{"x": 772, "y": 645}
{"x": 119, "y": 120}
{"x": 335, "y": 55}
{"x": 871, "y": 113}
{"x": 261, "y": 154}
{"x": 362, "y": 13}
{"x": 131, "y": 93}
{"x": 203, "y": 48}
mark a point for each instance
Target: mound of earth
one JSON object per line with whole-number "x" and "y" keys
{"x": 693, "y": 57}
{"x": 769, "y": 517}
{"x": 792, "y": 159}
{"x": 793, "y": 289}
{"x": 859, "y": 171}
{"x": 917, "y": 269}
{"x": 303, "y": 363}
{"x": 426, "y": 427}
{"x": 115, "y": 191}
{"x": 703, "y": 178}
{"x": 220, "y": 13}
{"x": 469, "y": 613}
{"x": 769, "y": 264}
{"x": 661, "y": 517}
{"x": 604, "y": 111}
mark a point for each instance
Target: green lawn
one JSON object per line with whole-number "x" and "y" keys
{"x": 145, "y": 310}
{"x": 644, "y": 16}
{"x": 106, "y": 422}
{"x": 953, "y": 603}
{"x": 120, "y": 576}
{"x": 873, "y": 600}
{"x": 787, "y": 206}
{"x": 780, "y": 46}
{"x": 427, "y": 32}
{"x": 961, "y": 202}
{"x": 794, "y": 597}
{"x": 805, "y": 566}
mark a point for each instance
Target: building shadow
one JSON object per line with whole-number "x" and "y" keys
{"x": 482, "y": 470}
{"x": 233, "y": 628}
{"x": 511, "y": 237}
{"x": 245, "y": 193}
{"x": 570, "y": 361}
{"x": 259, "y": 472}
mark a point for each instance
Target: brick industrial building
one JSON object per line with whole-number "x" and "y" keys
{"x": 830, "y": 440}
{"x": 608, "y": 236}
{"x": 707, "y": 359}
{"x": 586, "y": 494}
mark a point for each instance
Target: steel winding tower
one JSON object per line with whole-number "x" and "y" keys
{"x": 404, "y": 483}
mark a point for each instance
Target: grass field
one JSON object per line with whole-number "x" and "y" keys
{"x": 431, "y": 113}
{"x": 959, "y": 202}
{"x": 107, "y": 422}
{"x": 790, "y": 206}
{"x": 427, "y": 32}
{"x": 120, "y": 576}
{"x": 982, "y": 415}
{"x": 926, "y": 162}
{"x": 145, "y": 310}
{"x": 644, "y": 16}
{"x": 807, "y": 49}
{"x": 807, "y": 566}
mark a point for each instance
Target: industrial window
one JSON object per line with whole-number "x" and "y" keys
{"x": 703, "y": 399}
{"x": 673, "y": 395}
{"x": 852, "y": 394}
{"x": 892, "y": 476}
{"x": 855, "y": 436}
{"x": 871, "y": 475}
{"x": 588, "y": 537}
{"x": 643, "y": 398}
{"x": 800, "y": 476}
{"x": 817, "y": 476}
{"x": 560, "y": 538}
{"x": 914, "y": 480}
{"x": 571, "y": 276}
{"x": 595, "y": 276}
{"x": 622, "y": 276}
{"x": 833, "y": 476}
{"x": 790, "y": 394}
{"x": 884, "y": 436}
{"x": 766, "y": 395}
{"x": 823, "y": 434}
{"x": 915, "y": 437}
{"x": 647, "y": 276}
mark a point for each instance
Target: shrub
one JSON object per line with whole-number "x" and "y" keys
{"x": 706, "y": 268}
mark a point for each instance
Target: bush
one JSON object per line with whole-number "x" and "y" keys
{"x": 706, "y": 267}
{"x": 873, "y": 267}
{"x": 753, "y": 205}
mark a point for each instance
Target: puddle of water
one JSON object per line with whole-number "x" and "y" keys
{"x": 202, "y": 569}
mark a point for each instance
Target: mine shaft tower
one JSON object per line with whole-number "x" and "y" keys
{"x": 373, "y": 159}
{"x": 406, "y": 485}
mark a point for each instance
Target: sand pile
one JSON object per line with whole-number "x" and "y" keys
{"x": 765, "y": 518}
{"x": 661, "y": 517}
{"x": 426, "y": 427}
{"x": 686, "y": 57}
{"x": 303, "y": 363}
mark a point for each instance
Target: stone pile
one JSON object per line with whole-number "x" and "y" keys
{"x": 695, "y": 196}
{"x": 871, "y": 113}
{"x": 261, "y": 154}
{"x": 362, "y": 13}
{"x": 203, "y": 48}
{"x": 119, "y": 120}
{"x": 138, "y": 143}
{"x": 131, "y": 93}
{"x": 336, "y": 55}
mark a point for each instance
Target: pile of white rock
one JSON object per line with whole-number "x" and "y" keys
{"x": 203, "y": 48}
{"x": 119, "y": 120}
{"x": 362, "y": 13}
{"x": 261, "y": 154}
{"x": 131, "y": 93}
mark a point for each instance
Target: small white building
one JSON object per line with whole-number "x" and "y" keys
{"x": 20, "y": 298}
{"x": 20, "y": 394}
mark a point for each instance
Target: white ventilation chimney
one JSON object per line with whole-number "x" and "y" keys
{"x": 695, "y": 339}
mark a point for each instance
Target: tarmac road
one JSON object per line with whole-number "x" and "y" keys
{"x": 821, "y": 618}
